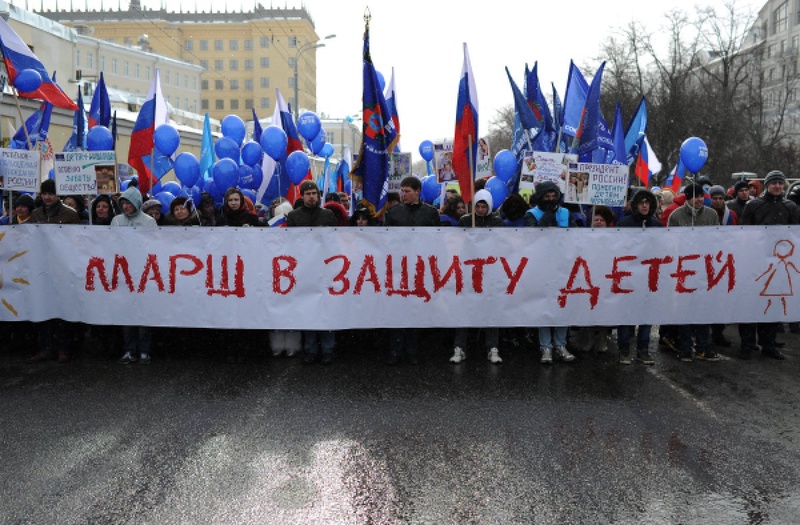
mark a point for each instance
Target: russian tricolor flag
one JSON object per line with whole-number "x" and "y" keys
{"x": 465, "y": 142}
{"x": 283, "y": 187}
{"x": 18, "y": 56}
{"x": 647, "y": 164}
{"x": 152, "y": 114}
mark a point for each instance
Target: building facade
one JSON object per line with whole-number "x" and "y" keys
{"x": 244, "y": 55}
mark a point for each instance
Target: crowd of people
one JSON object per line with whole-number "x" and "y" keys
{"x": 699, "y": 203}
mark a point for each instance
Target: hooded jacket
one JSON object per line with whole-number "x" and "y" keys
{"x": 490, "y": 220}
{"x": 637, "y": 220}
{"x": 138, "y": 218}
{"x": 542, "y": 216}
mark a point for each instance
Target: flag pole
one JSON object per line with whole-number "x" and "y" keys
{"x": 21, "y": 118}
{"x": 471, "y": 179}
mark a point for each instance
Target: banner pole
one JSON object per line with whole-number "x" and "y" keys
{"x": 471, "y": 179}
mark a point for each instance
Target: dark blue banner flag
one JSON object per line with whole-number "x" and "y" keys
{"x": 378, "y": 140}
{"x": 100, "y": 109}
{"x": 37, "y": 125}
{"x": 618, "y": 155}
{"x": 586, "y": 138}
{"x": 637, "y": 129}
{"x": 546, "y": 141}
{"x": 574, "y": 100}
{"x": 77, "y": 141}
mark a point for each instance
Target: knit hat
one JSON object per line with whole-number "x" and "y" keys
{"x": 25, "y": 200}
{"x": 716, "y": 190}
{"x": 742, "y": 184}
{"x": 150, "y": 204}
{"x": 693, "y": 190}
{"x": 774, "y": 176}
{"x": 48, "y": 186}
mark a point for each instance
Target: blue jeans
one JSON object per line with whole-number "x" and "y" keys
{"x": 701, "y": 334}
{"x": 136, "y": 339}
{"x": 325, "y": 337}
{"x": 553, "y": 337}
{"x": 642, "y": 337}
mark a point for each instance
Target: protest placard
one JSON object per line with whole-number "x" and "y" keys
{"x": 19, "y": 170}
{"x": 85, "y": 172}
{"x": 597, "y": 184}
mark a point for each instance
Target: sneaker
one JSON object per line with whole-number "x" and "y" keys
{"x": 277, "y": 353}
{"x": 624, "y": 359}
{"x": 686, "y": 357}
{"x": 665, "y": 343}
{"x": 127, "y": 359}
{"x": 494, "y": 356}
{"x": 547, "y": 356}
{"x": 645, "y": 358}
{"x": 712, "y": 355}
{"x": 458, "y": 355}
{"x": 145, "y": 359}
{"x": 563, "y": 354}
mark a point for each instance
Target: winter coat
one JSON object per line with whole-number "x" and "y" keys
{"x": 419, "y": 214}
{"x": 304, "y": 216}
{"x": 138, "y": 218}
{"x": 768, "y": 209}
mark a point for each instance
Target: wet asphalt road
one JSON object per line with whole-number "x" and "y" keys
{"x": 195, "y": 439}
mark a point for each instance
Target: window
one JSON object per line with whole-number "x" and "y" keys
{"x": 233, "y": 64}
{"x": 219, "y": 104}
{"x": 771, "y": 74}
{"x": 114, "y": 63}
{"x": 78, "y": 57}
{"x": 292, "y": 41}
{"x": 204, "y": 46}
{"x": 234, "y": 85}
{"x": 248, "y": 44}
{"x": 167, "y": 77}
{"x": 218, "y": 45}
{"x": 770, "y": 50}
{"x": 204, "y": 104}
{"x": 189, "y": 45}
{"x": 264, "y": 102}
{"x": 795, "y": 42}
{"x": 780, "y": 17}
{"x": 264, "y": 62}
{"x": 263, "y": 42}
{"x": 138, "y": 70}
{"x": 248, "y": 64}
{"x": 127, "y": 69}
{"x": 204, "y": 84}
{"x": 147, "y": 72}
{"x": 264, "y": 82}
{"x": 233, "y": 45}
{"x": 291, "y": 82}
{"x": 102, "y": 63}
{"x": 90, "y": 60}
{"x": 218, "y": 84}
{"x": 218, "y": 65}
{"x": 248, "y": 84}
{"x": 292, "y": 62}
{"x": 234, "y": 103}
{"x": 194, "y": 82}
{"x": 248, "y": 104}
{"x": 186, "y": 81}
{"x": 782, "y": 48}
{"x": 204, "y": 64}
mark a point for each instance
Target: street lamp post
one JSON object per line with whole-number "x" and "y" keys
{"x": 305, "y": 47}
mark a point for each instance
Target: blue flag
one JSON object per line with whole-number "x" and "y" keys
{"x": 38, "y": 125}
{"x": 558, "y": 121}
{"x": 206, "y": 150}
{"x": 527, "y": 117}
{"x": 574, "y": 100}
{"x": 257, "y": 129}
{"x": 618, "y": 155}
{"x": 637, "y": 129}
{"x": 378, "y": 140}
{"x": 546, "y": 140}
{"x": 77, "y": 141}
{"x": 586, "y": 137}
{"x": 100, "y": 108}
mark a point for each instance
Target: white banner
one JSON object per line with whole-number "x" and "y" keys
{"x": 597, "y": 184}
{"x": 542, "y": 166}
{"x": 85, "y": 172}
{"x": 327, "y": 278}
{"x": 19, "y": 170}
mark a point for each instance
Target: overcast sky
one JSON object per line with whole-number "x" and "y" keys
{"x": 422, "y": 40}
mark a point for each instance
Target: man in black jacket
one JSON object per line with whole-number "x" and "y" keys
{"x": 770, "y": 209}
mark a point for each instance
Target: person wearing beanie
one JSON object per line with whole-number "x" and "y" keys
{"x": 23, "y": 208}
{"x": 694, "y": 213}
{"x": 741, "y": 196}
{"x": 770, "y": 209}
{"x": 726, "y": 216}
{"x": 136, "y": 339}
{"x": 152, "y": 207}
{"x": 181, "y": 213}
{"x": 52, "y": 210}
{"x": 484, "y": 218}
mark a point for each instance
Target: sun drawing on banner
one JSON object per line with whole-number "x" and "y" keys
{"x": 17, "y": 280}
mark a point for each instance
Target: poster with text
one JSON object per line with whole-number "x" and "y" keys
{"x": 601, "y": 184}
{"x": 483, "y": 163}
{"x": 443, "y": 161}
{"x": 541, "y": 166}
{"x": 86, "y": 173}
{"x": 399, "y": 168}
{"x": 19, "y": 170}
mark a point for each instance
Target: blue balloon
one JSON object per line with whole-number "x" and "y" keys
{"x": 497, "y": 187}
{"x": 318, "y": 143}
{"x": 308, "y": 125}
{"x": 297, "y": 165}
{"x": 251, "y": 153}
{"x": 431, "y": 189}
{"x": 166, "y": 139}
{"x": 258, "y": 177}
{"x": 381, "y": 80}
{"x": 426, "y": 150}
{"x": 233, "y": 128}
{"x": 124, "y": 185}
{"x": 505, "y": 165}
{"x": 99, "y": 138}
{"x": 27, "y": 80}
{"x": 694, "y": 154}
{"x": 226, "y": 174}
{"x": 156, "y": 189}
{"x": 245, "y": 176}
{"x": 196, "y": 194}
{"x": 327, "y": 150}
{"x": 274, "y": 142}
{"x": 212, "y": 189}
{"x": 226, "y": 148}
{"x": 165, "y": 198}
{"x": 250, "y": 194}
{"x": 171, "y": 187}
{"x": 187, "y": 168}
